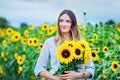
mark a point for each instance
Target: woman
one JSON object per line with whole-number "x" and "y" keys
{"x": 67, "y": 30}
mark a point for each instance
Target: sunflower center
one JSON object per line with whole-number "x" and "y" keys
{"x": 41, "y": 46}
{"x": 49, "y": 30}
{"x": 77, "y": 51}
{"x": 65, "y": 53}
{"x": 16, "y": 36}
{"x": 105, "y": 49}
{"x": 9, "y": 30}
{"x": 115, "y": 66}
{"x": 70, "y": 45}
{"x": 35, "y": 41}
{"x": 90, "y": 41}
{"x": 83, "y": 46}
{"x": 93, "y": 54}
{"x": 30, "y": 41}
{"x": 20, "y": 60}
{"x": 96, "y": 49}
{"x": 24, "y": 40}
{"x": 45, "y": 26}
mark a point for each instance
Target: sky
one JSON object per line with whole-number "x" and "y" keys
{"x": 38, "y": 12}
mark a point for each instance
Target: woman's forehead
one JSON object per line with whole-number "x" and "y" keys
{"x": 65, "y": 16}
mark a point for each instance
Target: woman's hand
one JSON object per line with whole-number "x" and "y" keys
{"x": 69, "y": 75}
{"x": 55, "y": 78}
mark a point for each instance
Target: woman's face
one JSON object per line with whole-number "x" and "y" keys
{"x": 65, "y": 23}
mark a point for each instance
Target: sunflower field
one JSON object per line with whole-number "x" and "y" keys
{"x": 20, "y": 48}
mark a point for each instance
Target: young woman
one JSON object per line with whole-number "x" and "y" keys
{"x": 67, "y": 30}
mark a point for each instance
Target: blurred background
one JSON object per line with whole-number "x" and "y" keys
{"x": 26, "y": 24}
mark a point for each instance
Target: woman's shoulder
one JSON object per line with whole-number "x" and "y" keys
{"x": 50, "y": 40}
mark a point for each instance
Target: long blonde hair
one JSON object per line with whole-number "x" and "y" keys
{"x": 74, "y": 29}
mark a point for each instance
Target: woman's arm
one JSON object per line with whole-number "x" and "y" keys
{"x": 72, "y": 75}
{"x": 85, "y": 74}
{"x": 48, "y": 75}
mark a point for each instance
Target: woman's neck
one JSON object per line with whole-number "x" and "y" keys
{"x": 67, "y": 36}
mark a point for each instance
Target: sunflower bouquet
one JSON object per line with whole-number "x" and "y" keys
{"x": 70, "y": 54}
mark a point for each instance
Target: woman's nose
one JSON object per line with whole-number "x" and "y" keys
{"x": 64, "y": 23}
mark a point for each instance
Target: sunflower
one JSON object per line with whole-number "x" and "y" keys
{"x": 118, "y": 27}
{"x": 90, "y": 42}
{"x": 20, "y": 69}
{"x": 84, "y": 30}
{"x": 40, "y": 46}
{"x": 26, "y": 33}
{"x": 30, "y": 42}
{"x": 16, "y": 37}
{"x": 96, "y": 36}
{"x": 19, "y": 60}
{"x": 43, "y": 37}
{"x": 2, "y": 34}
{"x": 50, "y": 31}
{"x": 65, "y": 53}
{"x": 70, "y": 43}
{"x": 45, "y": 26}
{"x": 114, "y": 66}
{"x": 9, "y": 31}
{"x": 97, "y": 49}
{"x": 35, "y": 41}
{"x": 4, "y": 42}
{"x": 23, "y": 40}
{"x": 31, "y": 27}
{"x": 116, "y": 37}
{"x": 43, "y": 78}
{"x": 104, "y": 74}
{"x": 84, "y": 44}
{"x": 87, "y": 56}
{"x": 2, "y": 54}
{"x": 41, "y": 31}
{"x": 105, "y": 49}
{"x": 79, "y": 26}
{"x": 55, "y": 26}
{"x": 94, "y": 55}
{"x": 16, "y": 55}
{"x": 78, "y": 51}
{"x": 23, "y": 57}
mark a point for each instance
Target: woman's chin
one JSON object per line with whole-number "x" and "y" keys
{"x": 65, "y": 31}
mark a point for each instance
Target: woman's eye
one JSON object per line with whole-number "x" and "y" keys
{"x": 60, "y": 20}
{"x": 68, "y": 21}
